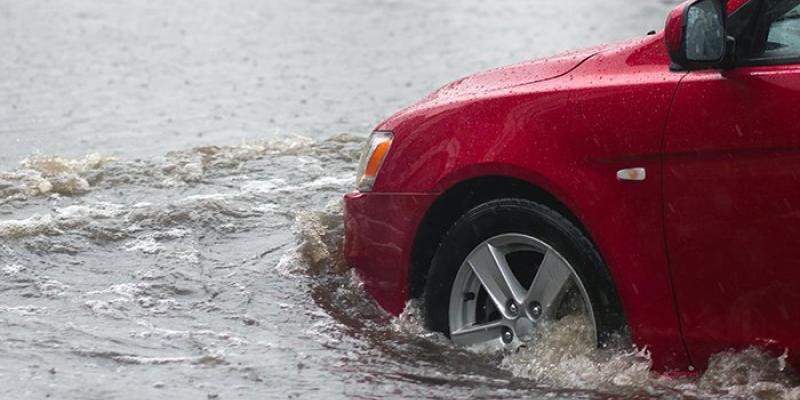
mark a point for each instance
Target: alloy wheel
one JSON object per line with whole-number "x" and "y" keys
{"x": 508, "y": 287}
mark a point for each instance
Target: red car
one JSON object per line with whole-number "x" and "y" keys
{"x": 653, "y": 185}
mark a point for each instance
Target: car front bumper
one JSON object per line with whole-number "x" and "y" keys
{"x": 379, "y": 237}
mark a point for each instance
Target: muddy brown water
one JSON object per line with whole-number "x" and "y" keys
{"x": 170, "y": 222}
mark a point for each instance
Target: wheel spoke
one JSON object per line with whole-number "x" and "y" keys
{"x": 478, "y": 334}
{"x": 550, "y": 283}
{"x": 491, "y": 268}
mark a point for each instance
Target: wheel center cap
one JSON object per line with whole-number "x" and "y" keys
{"x": 524, "y": 327}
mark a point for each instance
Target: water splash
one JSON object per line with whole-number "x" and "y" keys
{"x": 751, "y": 373}
{"x": 48, "y": 175}
{"x": 562, "y": 354}
{"x": 222, "y": 262}
{"x": 42, "y": 175}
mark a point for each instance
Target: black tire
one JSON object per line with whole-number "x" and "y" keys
{"x": 524, "y": 217}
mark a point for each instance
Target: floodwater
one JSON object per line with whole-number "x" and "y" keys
{"x": 170, "y": 218}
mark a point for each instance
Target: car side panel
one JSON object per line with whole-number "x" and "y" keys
{"x": 732, "y": 209}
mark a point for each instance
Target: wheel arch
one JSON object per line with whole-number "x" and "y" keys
{"x": 459, "y": 198}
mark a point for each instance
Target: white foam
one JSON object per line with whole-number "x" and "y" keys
{"x": 35, "y": 225}
{"x": 146, "y": 245}
{"x": 40, "y": 175}
{"x": 12, "y": 269}
{"x": 24, "y": 311}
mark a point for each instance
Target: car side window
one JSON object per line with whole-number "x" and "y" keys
{"x": 783, "y": 39}
{"x": 777, "y": 38}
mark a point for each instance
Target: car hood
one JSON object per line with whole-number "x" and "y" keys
{"x": 486, "y": 83}
{"x": 524, "y": 73}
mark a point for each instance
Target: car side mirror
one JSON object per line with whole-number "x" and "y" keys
{"x": 696, "y": 34}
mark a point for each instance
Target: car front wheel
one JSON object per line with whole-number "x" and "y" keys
{"x": 509, "y": 266}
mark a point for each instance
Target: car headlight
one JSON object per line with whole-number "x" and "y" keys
{"x": 372, "y": 158}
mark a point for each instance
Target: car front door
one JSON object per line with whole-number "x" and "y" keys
{"x": 731, "y": 187}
